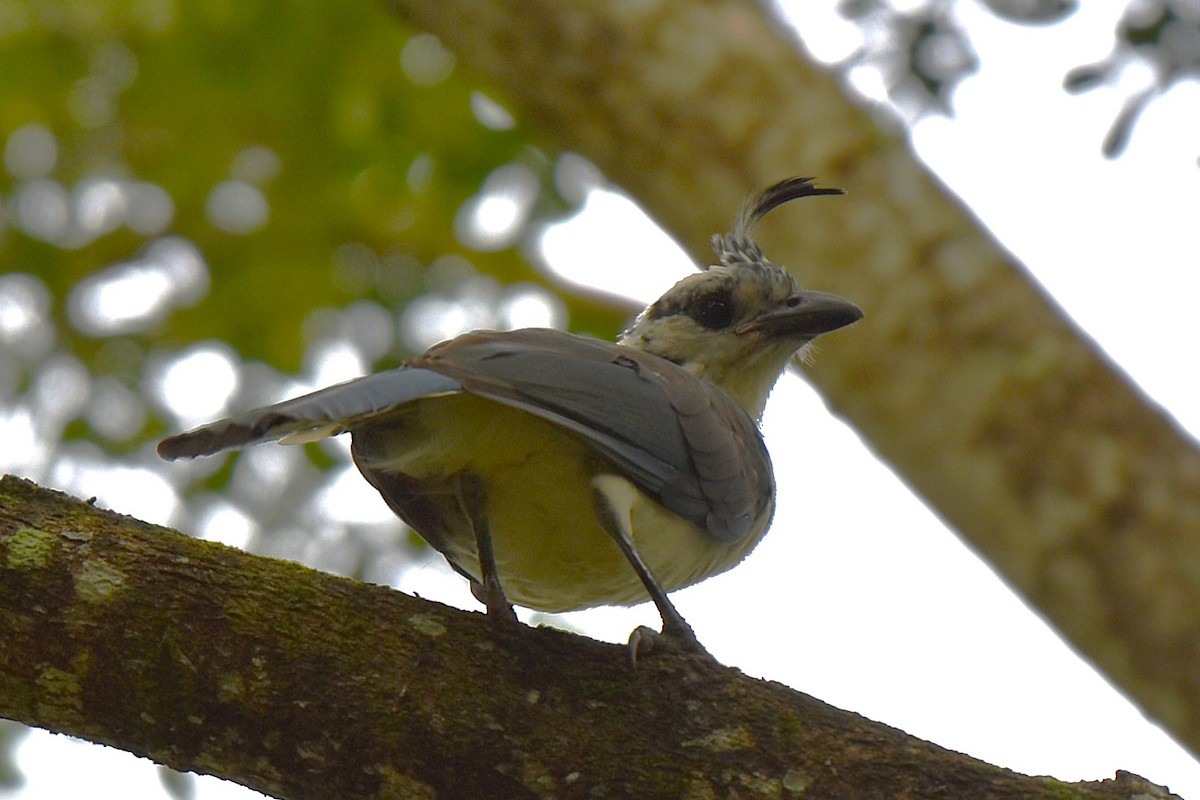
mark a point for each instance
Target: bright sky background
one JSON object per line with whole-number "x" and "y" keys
{"x": 860, "y": 596}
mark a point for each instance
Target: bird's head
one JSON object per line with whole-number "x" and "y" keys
{"x": 738, "y": 323}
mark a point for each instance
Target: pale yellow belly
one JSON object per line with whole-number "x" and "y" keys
{"x": 551, "y": 552}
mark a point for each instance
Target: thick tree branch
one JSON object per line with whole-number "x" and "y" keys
{"x": 963, "y": 375}
{"x": 304, "y": 685}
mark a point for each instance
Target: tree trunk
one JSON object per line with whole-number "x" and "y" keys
{"x": 963, "y": 375}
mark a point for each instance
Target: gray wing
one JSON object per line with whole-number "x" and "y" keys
{"x": 326, "y": 412}
{"x": 679, "y": 439}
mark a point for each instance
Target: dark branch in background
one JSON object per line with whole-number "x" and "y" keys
{"x": 1032, "y": 12}
{"x": 923, "y": 54}
{"x": 1161, "y": 34}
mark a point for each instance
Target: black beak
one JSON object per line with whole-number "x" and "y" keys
{"x": 804, "y": 315}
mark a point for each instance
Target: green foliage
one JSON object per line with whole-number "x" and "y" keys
{"x": 359, "y": 134}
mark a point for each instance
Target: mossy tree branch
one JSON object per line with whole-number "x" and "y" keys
{"x": 304, "y": 685}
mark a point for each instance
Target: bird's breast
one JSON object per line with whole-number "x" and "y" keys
{"x": 551, "y": 551}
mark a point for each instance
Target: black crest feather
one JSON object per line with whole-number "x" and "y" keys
{"x": 738, "y": 246}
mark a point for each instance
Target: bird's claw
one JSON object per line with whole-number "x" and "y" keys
{"x": 679, "y": 638}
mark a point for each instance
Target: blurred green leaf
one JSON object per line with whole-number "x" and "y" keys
{"x": 362, "y": 154}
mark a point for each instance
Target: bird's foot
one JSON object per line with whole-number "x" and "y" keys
{"x": 492, "y": 595}
{"x": 502, "y": 611}
{"x": 674, "y": 638}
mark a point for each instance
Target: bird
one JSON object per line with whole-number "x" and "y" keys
{"x": 560, "y": 472}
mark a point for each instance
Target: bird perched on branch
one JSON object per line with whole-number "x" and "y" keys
{"x": 561, "y": 472}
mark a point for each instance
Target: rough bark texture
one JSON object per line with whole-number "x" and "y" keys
{"x": 963, "y": 375}
{"x": 304, "y": 685}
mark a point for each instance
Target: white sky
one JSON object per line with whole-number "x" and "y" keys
{"x": 860, "y": 596}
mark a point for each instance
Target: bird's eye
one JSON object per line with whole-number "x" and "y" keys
{"x": 713, "y": 310}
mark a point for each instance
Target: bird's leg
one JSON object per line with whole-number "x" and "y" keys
{"x": 617, "y": 522}
{"x": 473, "y": 497}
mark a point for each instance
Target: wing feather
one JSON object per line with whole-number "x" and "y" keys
{"x": 681, "y": 440}
{"x": 326, "y": 412}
